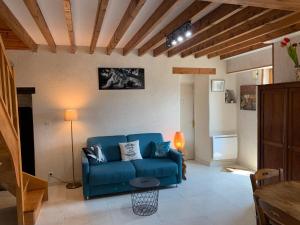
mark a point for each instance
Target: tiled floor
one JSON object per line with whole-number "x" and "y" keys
{"x": 208, "y": 197}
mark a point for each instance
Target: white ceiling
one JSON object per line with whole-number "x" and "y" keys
{"x": 84, "y": 13}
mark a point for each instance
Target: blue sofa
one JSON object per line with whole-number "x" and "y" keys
{"x": 114, "y": 175}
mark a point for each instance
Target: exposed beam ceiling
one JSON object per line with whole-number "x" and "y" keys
{"x": 260, "y": 39}
{"x": 292, "y": 5}
{"x": 187, "y": 14}
{"x": 194, "y": 71}
{"x": 149, "y": 25}
{"x": 244, "y": 50}
{"x": 130, "y": 14}
{"x": 69, "y": 21}
{"x": 245, "y": 27}
{"x": 203, "y": 23}
{"x": 38, "y": 17}
{"x": 11, "y": 21}
{"x": 102, "y": 6}
{"x": 224, "y": 25}
{"x": 291, "y": 19}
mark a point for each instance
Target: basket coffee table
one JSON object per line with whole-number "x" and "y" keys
{"x": 144, "y": 197}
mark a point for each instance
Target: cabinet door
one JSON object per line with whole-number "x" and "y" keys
{"x": 273, "y": 127}
{"x": 294, "y": 134}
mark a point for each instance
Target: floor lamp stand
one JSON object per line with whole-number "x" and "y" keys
{"x": 74, "y": 184}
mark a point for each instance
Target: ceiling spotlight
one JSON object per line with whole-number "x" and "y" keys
{"x": 188, "y": 34}
{"x": 180, "y": 39}
{"x": 179, "y": 35}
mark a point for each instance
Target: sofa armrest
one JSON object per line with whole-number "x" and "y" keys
{"x": 85, "y": 174}
{"x": 177, "y": 157}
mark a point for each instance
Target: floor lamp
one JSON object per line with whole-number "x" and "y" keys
{"x": 72, "y": 115}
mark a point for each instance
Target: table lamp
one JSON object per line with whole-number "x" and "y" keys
{"x": 72, "y": 115}
{"x": 179, "y": 143}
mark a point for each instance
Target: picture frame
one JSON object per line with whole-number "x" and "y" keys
{"x": 121, "y": 78}
{"x": 217, "y": 85}
{"x": 248, "y": 95}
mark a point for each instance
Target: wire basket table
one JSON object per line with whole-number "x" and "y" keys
{"x": 144, "y": 197}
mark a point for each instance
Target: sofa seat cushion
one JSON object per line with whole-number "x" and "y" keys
{"x": 111, "y": 173}
{"x": 155, "y": 167}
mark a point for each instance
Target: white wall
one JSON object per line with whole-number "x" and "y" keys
{"x": 247, "y": 126}
{"x": 222, "y": 116}
{"x": 203, "y": 152}
{"x": 257, "y": 59}
{"x": 247, "y": 120}
{"x": 65, "y": 80}
{"x": 284, "y": 68}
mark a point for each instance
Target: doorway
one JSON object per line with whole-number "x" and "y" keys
{"x": 187, "y": 122}
{"x": 26, "y": 129}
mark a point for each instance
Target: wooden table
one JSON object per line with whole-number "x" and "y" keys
{"x": 281, "y": 202}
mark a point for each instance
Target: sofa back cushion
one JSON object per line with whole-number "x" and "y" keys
{"x": 109, "y": 144}
{"x": 146, "y": 140}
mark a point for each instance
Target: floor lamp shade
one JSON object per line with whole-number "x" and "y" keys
{"x": 179, "y": 140}
{"x": 70, "y": 115}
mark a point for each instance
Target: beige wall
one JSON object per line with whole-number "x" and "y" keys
{"x": 65, "y": 80}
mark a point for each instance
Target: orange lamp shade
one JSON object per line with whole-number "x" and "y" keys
{"x": 71, "y": 115}
{"x": 179, "y": 140}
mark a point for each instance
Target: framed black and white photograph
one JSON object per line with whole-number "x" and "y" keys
{"x": 121, "y": 78}
{"x": 217, "y": 85}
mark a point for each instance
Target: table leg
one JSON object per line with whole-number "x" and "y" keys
{"x": 183, "y": 168}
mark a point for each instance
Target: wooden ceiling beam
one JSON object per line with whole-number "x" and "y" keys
{"x": 291, "y": 5}
{"x": 260, "y": 39}
{"x": 102, "y": 6}
{"x": 194, "y": 71}
{"x": 286, "y": 21}
{"x": 244, "y": 50}
{"x": 234, "y": 20}
{"x": 39, "y": 19}
{"x": 186, "y": 15}
{"x": 203, "y": 23}
{"x": 69, "y": 22}
{"x": 245, "y": 27}
{"x": 11, "y": 21}
{"x": 148, "y": 26}
{"x": 130, "y": 14}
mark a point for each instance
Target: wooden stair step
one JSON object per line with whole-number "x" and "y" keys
{"x": 33, "y": 200}
{"x": 25, "y": 183}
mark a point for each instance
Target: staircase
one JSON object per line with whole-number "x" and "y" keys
{"x": 30, "y": 191}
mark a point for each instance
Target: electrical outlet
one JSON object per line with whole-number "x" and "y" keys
{"x": 50, "y": 174}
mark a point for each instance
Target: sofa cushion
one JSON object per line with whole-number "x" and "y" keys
{"x": 111, "y": 173}
{"x": 145, "y": 142}
{"x": 109, "y": 144}
{"x": 155, "y": 167}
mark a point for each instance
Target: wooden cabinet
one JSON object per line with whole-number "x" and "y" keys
{"x": 279, "y": 128}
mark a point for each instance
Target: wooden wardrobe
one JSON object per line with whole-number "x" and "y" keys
{"x": 279, "y": 128}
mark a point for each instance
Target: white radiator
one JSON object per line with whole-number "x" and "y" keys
{"x": 225, "y": 147}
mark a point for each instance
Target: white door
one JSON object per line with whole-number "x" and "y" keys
{"x": 187, "y": 118}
